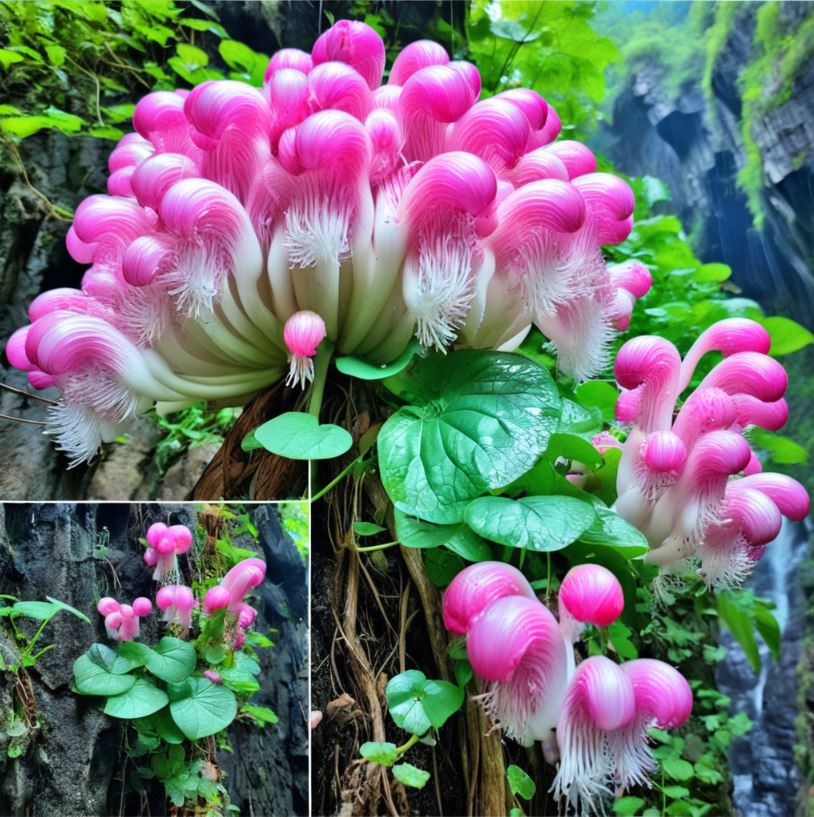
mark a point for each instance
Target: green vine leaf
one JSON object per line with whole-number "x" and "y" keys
{"x": 300, "y": 436}
{"x": 142, "y": 699}
{"x": 410, "y": 775}
{"x": 416, "y": 704}
{"x": 481, "y": 421}
{"x": 201, "y": 708}
{"x": 538, "y": 523}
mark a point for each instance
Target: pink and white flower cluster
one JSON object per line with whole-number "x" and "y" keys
{"x": 177, "y": 601}
{"x": 689, "y": 480}
{"x": 382, "y": 212}
{"x": 599, "y": 711}
{"x": 229, "y": 595}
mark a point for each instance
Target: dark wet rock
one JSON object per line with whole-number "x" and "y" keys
{"x": 695, "y": 145}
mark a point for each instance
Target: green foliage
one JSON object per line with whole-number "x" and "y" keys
{"x": 296, "y": 523}
{"x": 189, "y": 428}
{"x": 550, "y": 47}
{"x": 300, "y": 436}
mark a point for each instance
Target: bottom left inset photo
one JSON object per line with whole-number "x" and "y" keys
{"x": 154, "y": 659}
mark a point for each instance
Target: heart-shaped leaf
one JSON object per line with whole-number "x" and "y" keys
{"x": 361, "y": 369}
{"x": 410, "y": 775}
{"x": 417, "y": 703}
{"x": 300, "y": 436}
{"x": 142, "y": 699}
{"x": 539, "y": 523}
{"x": 201, "y": 708}
{"x": 172, "y": 660}
{"x": 482, "y": 420}
{"x": 94, "y": 678}
{"x": 415, "y": 533}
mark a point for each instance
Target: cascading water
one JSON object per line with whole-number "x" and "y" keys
{"x": 764, "y": 776}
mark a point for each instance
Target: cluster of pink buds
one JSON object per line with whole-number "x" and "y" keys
{"x": 229, "y": 595}
{"x": 164, "y": 544}
{"x": 122, "y": 620}
{"x": 690, "y": 480}
{"x": 243, "y": 225}
{"x": 177, "y": 602}
{"x": 531, "y": 688}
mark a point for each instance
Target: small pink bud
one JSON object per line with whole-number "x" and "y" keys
{"x": 107, "y": 605}
{"x": 303, "y": 332}
{"x": 150, "y": 557}
{"x": 142, "y": 606}
{"x": 213, "y": 676}
{"x": 216, "y": 598}
{"x": 182, "y": 536}
{"x": 165, "y": 597}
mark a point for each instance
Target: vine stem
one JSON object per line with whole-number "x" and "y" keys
{"x": 410, "y": 743}
{"x": 321, "y": 364}
{"x": 337, "y": 479}
{"x": 371, "y": 548}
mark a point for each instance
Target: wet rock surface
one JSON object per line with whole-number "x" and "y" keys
{"x": 70, "y": 765}
{"x": 696, "y": 145}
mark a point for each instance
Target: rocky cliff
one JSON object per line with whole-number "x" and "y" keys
{"x": 692, "y": 139}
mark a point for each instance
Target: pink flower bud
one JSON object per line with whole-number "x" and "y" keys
{"x": 216, "y": 598}
{"x": 142, "y": 606}
{"x": 213, "y": 676}
{"x": 303, "y": 332}
{"x": 107, "y": 605}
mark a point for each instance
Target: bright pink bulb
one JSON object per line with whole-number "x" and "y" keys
{"x": 182, "y": 537}
{"x": 155, "y": 532}
{"x": 213, "y": 676}
{"x": 589, "y": 594}
{"x": 216, "y": 598}
{"x": 151, "y": 557}
{"x": 165, "y": 545}
{"x": 142, "y": 606}
{"x": 415, "y": 56}
{"x": 356, "y": 44}
{"x": 302, "y": 334}
{"x": 165, "y": 598}
{"x": 475, "y": 588}
{"x": 107, "y": 605}
{"x": 662, "y": 461}
{"x": 517, "y": 647}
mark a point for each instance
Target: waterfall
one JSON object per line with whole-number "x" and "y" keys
{"x": 764, "y": 777}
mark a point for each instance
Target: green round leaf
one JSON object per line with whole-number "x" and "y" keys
{"x": 520, "y": 783}
{"x": 201, "y": 708}
{"x": 415, "y": 533}
{"x": 483, "y": 419}
{"x": 361, "y": 369}
{"x": 539, "y": 523}
{"x": 787, "y": 335}
{"x": 383, "y": 753}
{"x": 627, "y": 806}
{"x": 38, "y": 610}
{"x": 172, "y": 660}
{"x": 142, "y": 699}
{"x": 93, "y": 678}
{"x": 410, "y": 775}
{"x": 417, "y": 703}
{"x": 610, "y": 530}
{"x": 677, "y": 769}
{"x": 300, "y": 436}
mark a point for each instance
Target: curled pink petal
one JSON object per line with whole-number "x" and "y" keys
{"x": 415, "y": 56}
{"x": 516, "y": 646}
{"x": 354, "y": 43}
{"x": 475, "y": 588}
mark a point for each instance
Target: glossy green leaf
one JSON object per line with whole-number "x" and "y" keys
{"x": 781, "y": 449}
{"x": 460, "y": 539}
{"x": 520, "y": 783}
{"x": 573, "y": 448}
{"x": 740, "y": 626}
{"x": 599, "y": 394}
{"x": 142, "y": 699}
{"x": 713, "y": 273}
{"x": 201, "y": 708}
{"x": 610, "y": 530}
{"x": 172, "y": 660}
{"x": 787, "y": 335}
{"x": 38, "y": 610}
{"x": 300, "y": 436}
{"x": 627, "y": 806}
{"x": 94, "y": 678}
{"x": 410, "y": 775}
{"x": 262, "y": 714}
{"x": 416, "y": 703}
{"x": 362, "y": 370}
{"x": 382, "y": 753}
{"x": 367, "y": 529}
{"x": 483, "y": 419}
{"x": 538, "y": 523}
